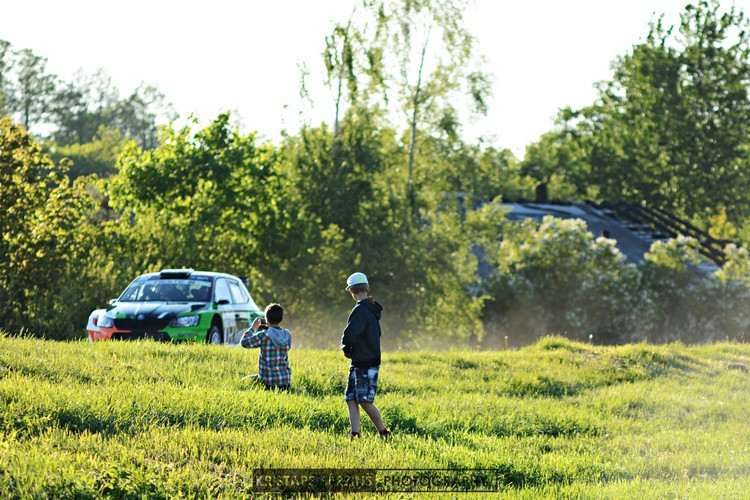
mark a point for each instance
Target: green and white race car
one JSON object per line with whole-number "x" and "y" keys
{"x": 178, "y": 304}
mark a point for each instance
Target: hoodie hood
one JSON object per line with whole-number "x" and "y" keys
{"x": 373, "y": 306}
{"x": 281, "y": 337}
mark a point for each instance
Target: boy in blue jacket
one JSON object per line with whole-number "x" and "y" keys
{"x": 361, "y": 344}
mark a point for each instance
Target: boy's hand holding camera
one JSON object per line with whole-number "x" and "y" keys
{"x": 258, "y": 324}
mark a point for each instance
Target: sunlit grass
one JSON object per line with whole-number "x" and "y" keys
{"x": 557, "y": 418}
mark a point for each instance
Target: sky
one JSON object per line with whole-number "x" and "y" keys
{"x": 243, "y": 56}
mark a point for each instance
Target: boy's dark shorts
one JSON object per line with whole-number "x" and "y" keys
{"x": 362, "y": 384}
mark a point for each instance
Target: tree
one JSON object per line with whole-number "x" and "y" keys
{"x": 200, "y": 191}
{"x": 671, "y": 129}
{"x": 69, "y": 112}
{"x": 138, "y": 114}
{"x": 553, "y": 161}
{"x": 77, "y": 109}
{"x": 338, "y": 192}
{"x": 34, "y": 90}
{"x": 419, "y": 50}
{"x": 431, "y": 73}
{"x": 98, "y": 156}
{"x": 353, "y": 61}
{"x": 6, "y": 65}
{"x": 498, "y": 174}
{"x": 716, "y": 127}
{"x": 43, "y": 222}
{"x": 729, "y": 287}
{"x": 351, "y": 198}
{"x": 679, "y": 302}
{"x": 424, "y": 275}
{"x": 82, "y": 106}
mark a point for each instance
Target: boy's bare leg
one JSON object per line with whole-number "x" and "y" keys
{"x": 353, "y": 415}
{"x": 374, "y": 414}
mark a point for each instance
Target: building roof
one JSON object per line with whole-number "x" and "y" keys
{"x": 633, "y": 228}
{"x": 633, "y": 241}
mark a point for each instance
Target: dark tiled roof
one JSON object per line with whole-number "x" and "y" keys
{"x": 633, "y": 228}
{"x": 631, "y": 241}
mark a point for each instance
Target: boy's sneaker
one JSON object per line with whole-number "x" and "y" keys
{"x": 353, "y": 435}
{"x": 385, "y": 435}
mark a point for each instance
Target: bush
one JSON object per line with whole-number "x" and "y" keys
{"x": 555, "y": 277}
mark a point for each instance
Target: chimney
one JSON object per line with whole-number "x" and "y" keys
{"x": 541, "y": 193}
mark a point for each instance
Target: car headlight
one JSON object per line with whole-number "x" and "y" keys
{"x": 185, "y": 321}
{"x": 105, "y": 321}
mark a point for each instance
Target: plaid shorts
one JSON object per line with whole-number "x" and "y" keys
{"x": 362, "y": 384}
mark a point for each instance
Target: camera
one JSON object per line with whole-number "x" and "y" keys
{"x": 263, "y": 324}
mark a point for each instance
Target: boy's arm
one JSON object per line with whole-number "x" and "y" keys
{"x": 354, "y": 327}
{"x": 252, "y": 340}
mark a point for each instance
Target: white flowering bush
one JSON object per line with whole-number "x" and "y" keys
{"x": 688, "y": 305}
{"x": 729, "y": 289}
{"x": 555, "y": 277}
{"x": 675, "y": 290}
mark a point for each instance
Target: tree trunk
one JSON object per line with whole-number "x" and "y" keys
{"x": 410, "y": 195}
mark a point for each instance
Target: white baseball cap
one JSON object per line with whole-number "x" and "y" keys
{"x": 356, "y": 279}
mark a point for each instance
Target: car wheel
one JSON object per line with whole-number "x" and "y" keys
{"x": 215, "y": 335}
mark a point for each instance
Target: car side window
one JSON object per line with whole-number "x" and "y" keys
{"x": 222, "y": 291}
{"x": 239, "y": 297}
{"x": 200, "y": 292}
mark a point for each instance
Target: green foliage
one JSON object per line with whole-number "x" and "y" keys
{"x": 450, "y": 172}
{"x": 720, "y": 228}
{"x": 678, "y": 295}
{"x": 43, "y": 223}
{"x": 354, "y": 63}
{"x": 80, "y": 108}
{"x": 555, "y": 419}
{"x": 33, "y": 90}
{"x": 736, "y": 269}
{"x": 138, "y": 114}
{"x": 499, "y": 174}
{"x": 352, "y": 190}
{"x": 209, "y": 192}
{"x": 96, "y": 157}
{"x": 670, "y": 129}
{"x": 435, "y": 309}
{"x": 73, "y": 112}
{"x": 552, "y": 161}
{"x": 427, "y": 82}
{"x": 355, "y": 198}
{"x": 725, "y": 295}
{"x": 406, "y": 54}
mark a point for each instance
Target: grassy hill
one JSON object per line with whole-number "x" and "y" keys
{"x": 557, "y": 418}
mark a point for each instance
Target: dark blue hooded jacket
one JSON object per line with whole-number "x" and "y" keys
{"x": 361, "y": 339}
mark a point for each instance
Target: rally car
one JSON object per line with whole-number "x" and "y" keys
{"x": 178, "y": 304}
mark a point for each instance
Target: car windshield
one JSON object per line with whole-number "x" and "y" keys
{"x": 173, "y": 290}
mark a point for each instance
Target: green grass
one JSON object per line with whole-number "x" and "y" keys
{"x": 557, "y": 419}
